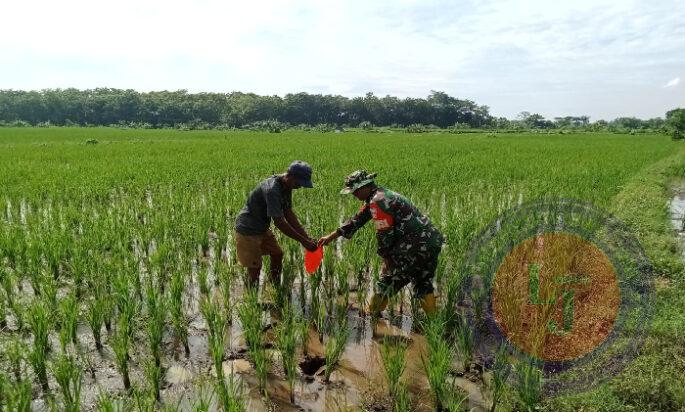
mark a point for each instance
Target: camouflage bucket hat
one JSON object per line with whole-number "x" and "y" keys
{"x": 358, "y": 179}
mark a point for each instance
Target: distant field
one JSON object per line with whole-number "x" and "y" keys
{"x": 83, "y": 209}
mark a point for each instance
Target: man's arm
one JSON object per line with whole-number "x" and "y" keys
{"x": 285, "y": 227}
{"x": 294, "y": 222}
{"x": 348, "y": 228}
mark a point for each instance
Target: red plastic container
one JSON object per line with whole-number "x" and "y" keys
{"x": 312, "y": 260}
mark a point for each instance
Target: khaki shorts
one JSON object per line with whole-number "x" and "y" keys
{"x": 251, "y": 248}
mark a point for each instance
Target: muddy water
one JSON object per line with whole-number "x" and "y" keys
{"x": 359, "y": 378}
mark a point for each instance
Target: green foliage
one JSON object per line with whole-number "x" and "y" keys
{"x": 335, "y": 345}
{"x": 250, "y": 314}
{"x": 675, "y": 119}
{"x": 69, "y": 312}
{"x": 393, "y": 356}
{"x": 529, "y": 384}
{"x": 271, "y": 126}
{"x": 153, "y": 375}
{"x": 172, "y": 189}
{"x": 436, "y": 363}
{"x": 68, "y": 375}
{"x": 96, "y": 314}
{"x": 15, "y": 396}
{"x": 130, "y": 109}
{"x": 366, "y": 126}
{"x": 156, "y": 311}
{"x": 416, "y": 128}
{"x": 500, "y": 374}
{"x": 178, "y": 316}
{"x": 120, "y": 342}
{"x": 286, "y": 342}
{"x": 105, "y": 403}
{"x": 40, "y": 326}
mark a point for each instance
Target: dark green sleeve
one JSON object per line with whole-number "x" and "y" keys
{"x": 348, "y": 228}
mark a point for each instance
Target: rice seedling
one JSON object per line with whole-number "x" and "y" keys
{"x": 225, "y": 275}
{"x": 96, "y": 318}
{"x": 302, "y": 291}
{"x": 40, "y": 326}
{"x": 286, "y": 342}
{"x": 250, "y": 315}
{"x": 362, "y": 287}
{"x": 105, "y": 403}
{"x": 153, "y": 375}
{"x": 262, "y": 364}
{"x": 144, "y": 400}
{"x": 401, "y": 401}
{"x": 7, "y": 280}
{"x": 529, "y": 384}
{"x": 127, "y": 304}
{"x": 464, "y": 341}
{"x": 35, "y": 276}
{"x": 215, "y": 328}
{"x": 233, "y": 400}
{"x": 500, "y": 374}
{"x": 68, "y": 376}
{"x": 179, "y": 319}
{"x": 156, "y": 311}
{"x": 15, "y": 396}
{"x": 202, "y": 400}
{"x": 69, "y": 312}
{"x": 49, "y": 293}
{"x": 335, "y": 346}
{"x": 202, "y": 276}
{"x": 439, "y": 358}
{"x": 303, "y": 324}
{"x": 14, "y": 351}
{"x": 393, "y": 356}
{"x": 120, "y": 342}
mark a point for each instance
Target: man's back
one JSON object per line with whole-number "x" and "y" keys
{"x": 268, "y": 200}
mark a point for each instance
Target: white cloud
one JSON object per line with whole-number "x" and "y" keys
{"x": 581, "y": 57}
{"x": 673, "y": 83}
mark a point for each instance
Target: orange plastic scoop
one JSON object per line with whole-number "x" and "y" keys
{"x": 312, "y": 260}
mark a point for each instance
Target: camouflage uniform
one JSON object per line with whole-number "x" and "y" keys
{"x": 407, "y": 241}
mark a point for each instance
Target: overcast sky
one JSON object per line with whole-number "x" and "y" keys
{"x": 596, "y": 57}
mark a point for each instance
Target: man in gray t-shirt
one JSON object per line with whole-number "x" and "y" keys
{"x": 271, "y": 200}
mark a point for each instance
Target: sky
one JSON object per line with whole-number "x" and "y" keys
{"x": 600, "y": 58}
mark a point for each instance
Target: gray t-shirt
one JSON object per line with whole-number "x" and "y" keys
{"x": 270, "y": 199}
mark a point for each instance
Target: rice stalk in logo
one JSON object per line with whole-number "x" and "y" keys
{"x": 561, "y": 284}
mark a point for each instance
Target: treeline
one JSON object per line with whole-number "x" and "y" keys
{"x": 104, "y": 107}
{"x": 183, "y": 110}
{"x": 527, "y": 120}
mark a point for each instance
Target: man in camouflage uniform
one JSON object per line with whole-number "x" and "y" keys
{"x": 407, "y": 241}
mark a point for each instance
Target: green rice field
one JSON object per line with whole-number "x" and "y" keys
{"x": 121, "y": 291}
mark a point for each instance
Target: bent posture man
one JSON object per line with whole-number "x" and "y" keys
{"x": 271, "y": 199}
{"x": 407, "y": 241}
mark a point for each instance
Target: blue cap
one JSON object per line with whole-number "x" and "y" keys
{"x": 302, "y": 172}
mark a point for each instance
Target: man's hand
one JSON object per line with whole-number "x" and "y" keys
{"x": 324, "y": 241}
{"x": 309, "y": 244}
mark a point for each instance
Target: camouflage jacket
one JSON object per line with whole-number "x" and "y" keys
{"x": 400, "y": 227}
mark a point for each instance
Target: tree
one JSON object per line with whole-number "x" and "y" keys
{"x": 535, "y": 121}
{"x": 675, "y": 119}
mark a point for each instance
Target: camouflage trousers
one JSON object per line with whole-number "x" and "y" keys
{"x": 416, "y": 266}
